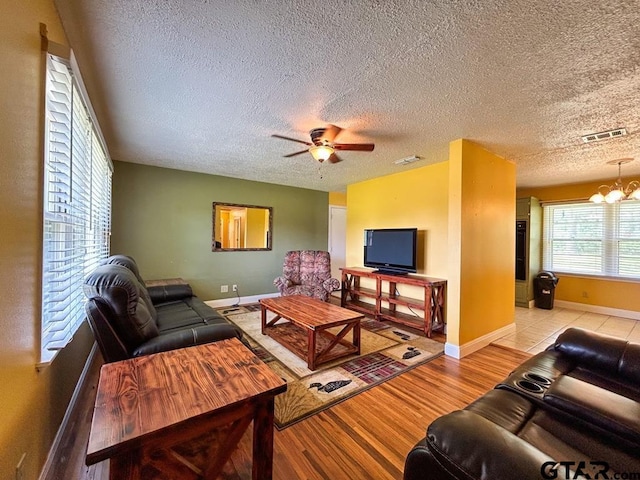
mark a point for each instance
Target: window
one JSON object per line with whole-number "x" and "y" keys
{"x": 599, "y": 239}
{"x": 77, "y": 206}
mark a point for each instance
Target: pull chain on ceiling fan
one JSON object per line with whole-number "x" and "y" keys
{"x": 322, "y": 146}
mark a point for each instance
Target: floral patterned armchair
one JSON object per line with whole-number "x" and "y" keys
{"x": 307, "y": 272}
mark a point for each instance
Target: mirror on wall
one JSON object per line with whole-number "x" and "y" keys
{"x": 238, "y": 227}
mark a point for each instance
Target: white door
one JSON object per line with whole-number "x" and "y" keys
{"x": 337, "y": 239}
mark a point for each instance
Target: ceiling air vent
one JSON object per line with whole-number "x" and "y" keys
{"x": 596, "y": 137}
{"x": 405, "y": 161}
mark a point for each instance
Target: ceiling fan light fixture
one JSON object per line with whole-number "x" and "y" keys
{"x": 321, "y": 152}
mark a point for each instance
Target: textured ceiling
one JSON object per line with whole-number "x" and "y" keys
{"x": 202, "y": 86}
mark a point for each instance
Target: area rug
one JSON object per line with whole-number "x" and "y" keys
{"x": 386, "y": 351}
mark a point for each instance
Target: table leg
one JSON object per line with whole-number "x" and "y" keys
{"x": 125, "y": 466}
{"x": 346, "y": 285}
{"x": 428, "y": 310}
{"x": 356, "y": 337}
{"x": 438, "y": 304}
{"x": 263, "y": 441}
{"x": 263, "y": 317}
{"x": 311, "y": 353}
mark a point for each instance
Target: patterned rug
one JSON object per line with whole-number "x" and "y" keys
{"x": 386, "y": 351}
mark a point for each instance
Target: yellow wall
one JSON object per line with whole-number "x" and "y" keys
{"x": 338, "y": 198}
{"x": 33, "y": 403}
{"x": 587, "y": 290}
{"x": 413, "y": 198}
{"x": 465, "y": 209}
{"x": 482, "y": 242}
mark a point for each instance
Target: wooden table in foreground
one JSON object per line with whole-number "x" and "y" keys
{"x": 306, "y": 332}
{"x": 183, "y": 412}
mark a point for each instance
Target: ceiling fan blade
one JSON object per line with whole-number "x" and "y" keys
{"x": 334, "y": 158}
{"x": 291, "y": 139}
{"x": 296, "y": 153}
{"x": 361, "y": 147}
{"x": 330, "y": 133}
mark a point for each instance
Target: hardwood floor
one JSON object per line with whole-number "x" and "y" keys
{"x": 365, "y": 437}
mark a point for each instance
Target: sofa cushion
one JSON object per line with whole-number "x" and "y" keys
{"x": 596, "y": 351}
{"x": 129, "y": 263}
{"x": 611, "y": 412}
{"x": 504, "y": 408}
{"x": 566, "y": 439}
{"x": 169, "y": 293}
{"x": 189, "y": 312}
{"x": 309, "y": 290}
{"x": 187, "y": 337}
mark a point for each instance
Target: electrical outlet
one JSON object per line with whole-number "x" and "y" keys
{"x": 235, "y": 288}
{"x": 20, "y": 468}
{"x": 224, "y": 288}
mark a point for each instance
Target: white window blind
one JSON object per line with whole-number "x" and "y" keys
{"x": 593, "y": 239}
{"x": 77, "y": 207}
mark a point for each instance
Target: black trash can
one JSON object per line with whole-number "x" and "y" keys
{"x": 544, "y": 286}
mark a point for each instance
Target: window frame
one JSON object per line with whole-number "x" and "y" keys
{"x": 76, "y": 215}
{"x": 618, "y": 226}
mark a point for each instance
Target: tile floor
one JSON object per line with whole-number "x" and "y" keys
{"x": 536, "y": 328}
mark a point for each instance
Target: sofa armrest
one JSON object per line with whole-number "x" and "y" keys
{"x": 111, "y": 346}
{"x": 169, "y": 293}
{"x": 282, "y": 283}
{"x": 188, "y": 337}
{"x": 331, "y": 284}
{"x": 464, "y": 445}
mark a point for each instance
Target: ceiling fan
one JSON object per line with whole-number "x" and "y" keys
{"x": 322, "y": 146}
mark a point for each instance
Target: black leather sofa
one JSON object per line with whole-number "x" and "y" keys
{"x": 129, "y": 319}
{"x": 572, "y": 411}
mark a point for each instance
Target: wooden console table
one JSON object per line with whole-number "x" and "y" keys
{"x": 431, "y": 304}
{"x": 180, "y": 414}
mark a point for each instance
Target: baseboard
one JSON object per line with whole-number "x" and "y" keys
{"x": 52, "y": 455}
{"x": 459, "y": 351}
{"x": 529, "y": 304}
{"x": 227, "y": 302}
{"x": 615, "y": 312}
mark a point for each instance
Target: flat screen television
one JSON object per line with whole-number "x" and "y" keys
{"x": 391, "y": 250}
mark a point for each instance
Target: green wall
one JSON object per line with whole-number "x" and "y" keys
{"x": 163, "y": 218}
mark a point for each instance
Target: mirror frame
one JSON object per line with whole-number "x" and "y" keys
{"x": 241, "y": 205}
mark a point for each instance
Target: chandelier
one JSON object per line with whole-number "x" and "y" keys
{"x": 617, "y": 192}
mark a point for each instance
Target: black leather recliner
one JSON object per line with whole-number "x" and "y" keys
{"x": 572, "y": 409}
{"x": 129, "y": 320}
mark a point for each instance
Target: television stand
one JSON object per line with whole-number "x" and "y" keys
{"x": 389, "y": 272}
{"x": 385, "y": 300}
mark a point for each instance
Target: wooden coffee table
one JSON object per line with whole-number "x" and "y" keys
{"x": 305, "y": 333}
{"x": 181, "y": 413}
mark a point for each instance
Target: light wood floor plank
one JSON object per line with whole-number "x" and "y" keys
{"x": 367, "y": 436}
